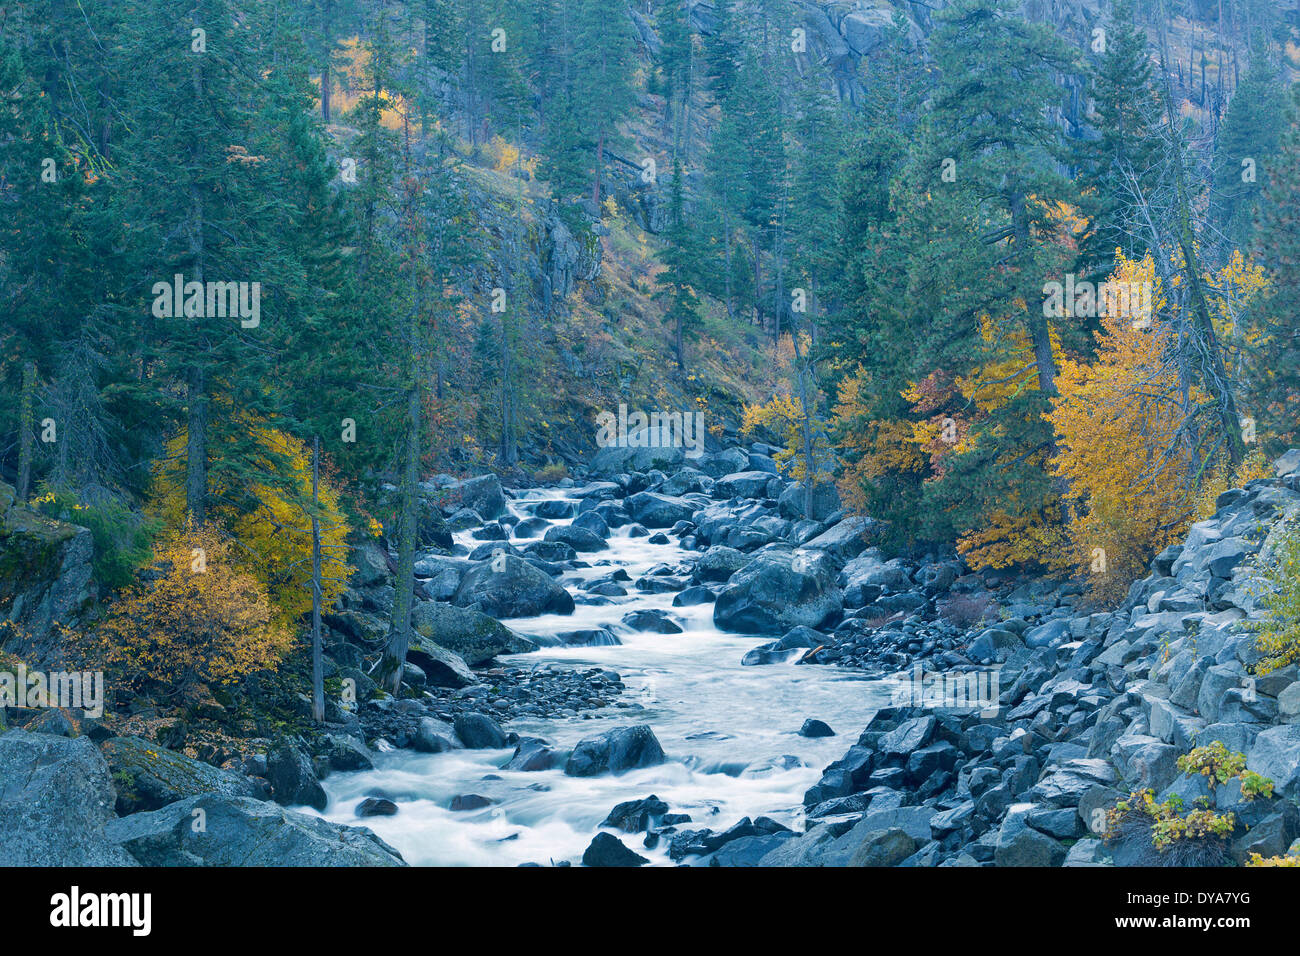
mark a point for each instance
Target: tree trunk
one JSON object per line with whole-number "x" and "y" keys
{"x": 1214, "y": 374}
{"x": 399, "y": 630}
{"x": 196, "y": 447}
{"x": 726, "y": 243}
{"x": 317, "y": 651}
{"x": 26, "y": 431}
{"x": 679, "y": 345}
{"x": 1039, "y": 332}
{"x": 805, "y": 425}
{"x": 325, "y": 92}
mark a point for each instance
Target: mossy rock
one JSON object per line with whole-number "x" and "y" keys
{"x": 30, "y": 546}
{"x": 475, "y": 636}
{"x": 149, "y": 776}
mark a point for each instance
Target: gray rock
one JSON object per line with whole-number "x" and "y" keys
{"x": 150, "y": 776}
{"x": 776, "y": 591}
{"x": 1271, "y": 836}
{"x": 748, "y": 850}
{"x": 476, "y": 637}
{"x": 346, "y": 754}
{"x": 1276, "y": 755}
{"x": 846, "y": 539}
{"x": 1019, "y": 844}
{"x": 579, "y": 539}
{"x": 1146, "y": 761}
{"x": 1065, "y": 785}
{"x": 48, "y": 579}
{"x": 441, "y": 667}
{"x": 884, "y": 848}
{"x": 914, "y": 821}
{"x": 56, "y": 800}
{"x": 508, "y": 586}
{"x": 659, "y": 511}
{"x": 292, "y": 778}
{"x": 724, "y": 462}
{"x": 909, "y": 736}
{"x": 815, "y": 728}
{"x": 218, "y": 830}
{"x": 531, "y": 754}
{"x": 719, "y": 563}
{"x": 608, "y": 850}
{"x": 644, "y": 449}
{"x": 1218, "y": 680}
{"x": 1050, "y": 634}
{"x": 483, "y": 494}
{"x": 1287, "y": 464}
{"x": 652, "y": 620}
{"x": 376, "y": 807}
{"x": 866, "y": 29}
{"x": 994, "y": 644}
{"x": 825, "y": 501}
{"x": 742, "y": 484}
{"x": 1087, "y": 852}
{"x": 479, "y": 732}
{"x": 433, "y": 736}
{"x": 625, "y": 748}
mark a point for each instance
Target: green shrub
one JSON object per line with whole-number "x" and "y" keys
{"x": 1277, "y": 590}
{"x": 123, "y": 538}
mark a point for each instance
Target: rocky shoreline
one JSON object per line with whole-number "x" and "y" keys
{"x": 1089, "y": 706}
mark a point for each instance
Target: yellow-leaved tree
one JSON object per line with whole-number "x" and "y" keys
{"x": 1136, "y": 477}
{"x": 792, "y": 415}
{"x": 1116, "y": 422}
{"x": 267, "y": 513}
{"x": 198, "y": 618}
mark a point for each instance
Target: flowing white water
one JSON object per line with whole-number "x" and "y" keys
{"x": 724, "y": 728}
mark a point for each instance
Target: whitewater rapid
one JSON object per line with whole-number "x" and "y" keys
{"x": 728, "y": 731}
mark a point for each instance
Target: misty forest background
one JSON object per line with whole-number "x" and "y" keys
{"x": 478, "y": 223}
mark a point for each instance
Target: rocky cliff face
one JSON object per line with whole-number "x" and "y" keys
{"x": 46, "y": 578}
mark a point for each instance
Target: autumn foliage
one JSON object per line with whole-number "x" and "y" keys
{"x": 196, "y": 617}
{"x": 1127, "y": 467}
{"x": 268, "y": 516}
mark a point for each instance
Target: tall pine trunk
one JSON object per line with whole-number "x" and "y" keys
{"x": 399, "y": 630}
{"x": 325, "y": 91}
{"x": 317, "y": 651}
{"x": 26, "y": 430}
{"x": 196, "y": 448}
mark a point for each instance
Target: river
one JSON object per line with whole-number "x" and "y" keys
{"x": 728, "y": 730}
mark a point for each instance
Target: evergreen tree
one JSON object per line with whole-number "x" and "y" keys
{"x": 680, "y": 257}
{"x": 1247, "y": 143}
{"x": 1125, "y": 158}
{"x": 602, "y": 90}
{"x": 198, "y": 208}
{"x": 722, "y": 51}
{"x": 1273, "y": 389}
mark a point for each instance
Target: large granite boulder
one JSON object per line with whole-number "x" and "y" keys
{"x": 46, "y": 579}
{"x": 508, "y": 586}
{"x": 150, "y": 776}
{"x": 777, "y": 591}
{"x": 475, "y": 636}
{"x": 219, "y": 830}
{"x": 484, "y": 495}
{"x": 56, "y": 798}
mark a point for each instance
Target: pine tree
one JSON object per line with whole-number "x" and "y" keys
{"x": 602, "y": 78}
{"x": 1247, "y": 143}
{"x": 722, "y": 51}
{"x": 199, "y": 209}
{"x": 680, "y": 257}
{"x": 1273, "y": 390}
{"x": 1125, "y": 158}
